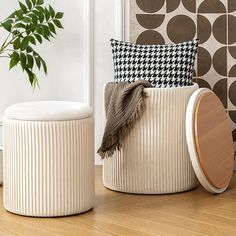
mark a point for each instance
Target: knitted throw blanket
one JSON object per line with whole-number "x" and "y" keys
{"x": 123, "y": 106}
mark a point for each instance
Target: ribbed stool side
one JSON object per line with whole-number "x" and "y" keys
{"x": 48, "y": 167}
{"x": 154, "y": 158}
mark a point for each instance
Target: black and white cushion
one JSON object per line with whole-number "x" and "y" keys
{"x": 162, "y": 65}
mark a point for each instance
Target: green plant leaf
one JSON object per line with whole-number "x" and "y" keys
{"x": 46, "y": 36}
{"x": 30, "y": 75}
{"x": 40, "y": 8}
{"x": 15, "y": 32}
{"x": 20, "y": 25}
{"x": 9, "y": 21}
{"x": 29, "y": 4}
{"x": 47, "y": 14}
{"x": 23, "y": 61}
{"x": 35, "y": 82}
{"x": 59, "y": 15}
{"x": 39, "y": 38}
{"x": 24, "y": 43}
{"x": 40, "y": 15}
{"x": 30, "y": 61}
{"x": 14, "y": 60}
{"x": 38, "y": 62}
{"x": 27, "y": 20}
{"x": 20, "y": 15}
{"x": 39, "y": 2}
{"x": 44, "y": 66}
{"x": 32, "y": 78}
{"x": 58, "y": 23}
{"x": 52, "y": 27}
{"x": 34, "y": 19}
{"x": 29, "y": 29}
{"x": 17, "y": 43}
{"x": 33, "y": 2}
{"x": 29, "y": 49}
{"x": 7, "y": 26}
{"x": 23, "y": 7}
{"x": 52, "y": 11}
{"x": 32, "y": 40}
{"x": 39, "y": 30}
{"x": 46, "y": 30}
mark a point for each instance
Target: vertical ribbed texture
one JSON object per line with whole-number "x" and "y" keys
{"x": 154, "y": 157}
{"x": 48, "y": 167}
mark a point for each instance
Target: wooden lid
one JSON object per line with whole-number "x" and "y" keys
{"x": 209, "y": 139}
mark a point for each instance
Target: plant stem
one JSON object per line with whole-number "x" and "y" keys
{"x": 12, "y": 50}
{"x": 5, "y": 45}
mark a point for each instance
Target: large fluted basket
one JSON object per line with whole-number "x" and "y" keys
{"x": 48, "y": 159}
{"x": 154, "y": 157}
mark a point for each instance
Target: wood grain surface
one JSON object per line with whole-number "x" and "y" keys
{"x": 214, "y": 141}
{"x": 193, "y": 213}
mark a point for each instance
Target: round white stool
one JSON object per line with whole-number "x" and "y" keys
{"x": 48, "y": 158}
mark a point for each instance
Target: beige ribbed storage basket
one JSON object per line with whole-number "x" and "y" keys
{"x": 48, "y": 159}
{"x": 154, "y": 157}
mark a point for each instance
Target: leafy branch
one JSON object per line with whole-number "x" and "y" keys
{"x": 29, "y": 26}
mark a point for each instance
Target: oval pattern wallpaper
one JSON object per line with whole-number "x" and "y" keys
{"x": 212, "y": 21}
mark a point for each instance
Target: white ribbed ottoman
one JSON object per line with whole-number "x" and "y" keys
{"x": 154, "y": 157}
{"x": 48, "y": 158}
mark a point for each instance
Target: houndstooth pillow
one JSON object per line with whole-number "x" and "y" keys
{"x": 162, "y": 65}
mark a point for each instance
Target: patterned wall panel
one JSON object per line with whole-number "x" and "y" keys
{"x": 212, "y": 21}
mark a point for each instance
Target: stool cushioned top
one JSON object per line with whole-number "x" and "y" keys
{"x": 48, "y": 111}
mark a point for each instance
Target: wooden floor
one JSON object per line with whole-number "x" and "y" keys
{"x": 192, "y": 213}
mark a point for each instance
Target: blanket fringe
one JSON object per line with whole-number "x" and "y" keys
{"x": 113, "y": 142}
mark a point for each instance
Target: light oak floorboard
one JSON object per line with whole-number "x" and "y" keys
{"x": 185, "y": 214}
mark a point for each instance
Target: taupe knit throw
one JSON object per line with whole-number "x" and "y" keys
{"x": 123, "y": 106}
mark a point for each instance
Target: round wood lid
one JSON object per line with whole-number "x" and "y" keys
{"x": 209, "y": 139}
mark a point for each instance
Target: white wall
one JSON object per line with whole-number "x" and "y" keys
{"x": 66, "y": 58}
{"x": 111, "y": 20}
{"x": 108, "y": 23}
